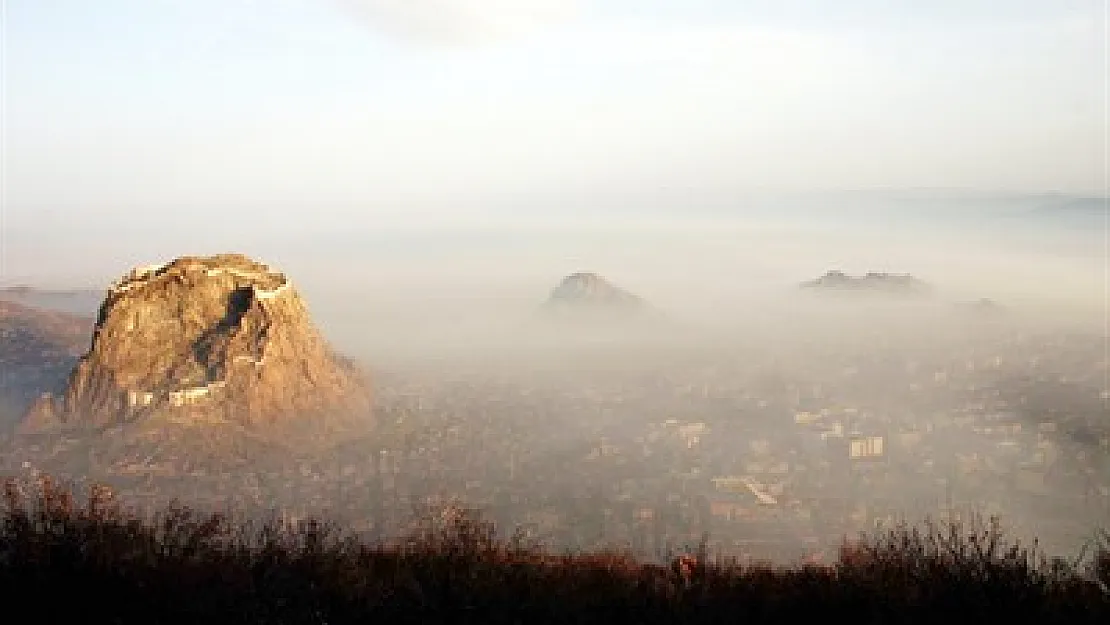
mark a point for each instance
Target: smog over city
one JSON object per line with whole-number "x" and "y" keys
{"x": 650, "y": 277}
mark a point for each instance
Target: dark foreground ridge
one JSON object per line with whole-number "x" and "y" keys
{"x": 100, "y": 564}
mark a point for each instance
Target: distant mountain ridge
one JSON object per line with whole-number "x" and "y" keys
{"x": 1076, "y": 204}
{"x": 1076, "y": 212}
{"x": 871, "y": 282}
{"x": 595, "y": 306}
{"x": 72, "y": 301}
{"x": 589, "y": 290}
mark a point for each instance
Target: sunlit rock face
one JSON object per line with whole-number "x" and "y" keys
{"x": 220, "y": 338}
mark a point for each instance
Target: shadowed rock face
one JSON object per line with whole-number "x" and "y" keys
{"x": 38, "y": 349}
{"x": 221, "y": 338}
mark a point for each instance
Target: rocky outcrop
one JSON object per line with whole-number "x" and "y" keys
{"x": 589, "y": 292}
{"x": 221, "y": 338}
{"x": 873, "y": 282}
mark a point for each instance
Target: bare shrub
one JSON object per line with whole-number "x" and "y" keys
{"x": 183, "y": 566}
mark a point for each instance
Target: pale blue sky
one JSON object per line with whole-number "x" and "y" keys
{"x": 146, "y": 122}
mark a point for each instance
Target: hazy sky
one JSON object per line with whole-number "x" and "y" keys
{"x": 148, "y": 121}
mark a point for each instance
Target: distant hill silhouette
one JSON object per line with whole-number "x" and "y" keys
{"x": 588, "y": 293}
{"x": 870, "y": 283}
{"x": 1095, "y": 205}
{"x": 1090, "y": 212}
{"x": 72, "y": 301}
{"x": 586, "y": 307}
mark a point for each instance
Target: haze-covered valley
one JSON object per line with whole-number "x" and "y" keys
{"x": 614, "y": 273}
{"x": 771, "y": 417}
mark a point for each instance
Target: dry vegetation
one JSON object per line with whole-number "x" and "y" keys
{"x": 64, "y": 559}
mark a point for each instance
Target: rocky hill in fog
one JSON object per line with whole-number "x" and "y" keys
{"x": 221, "y": 339}
{"x": 589, "y": 294}
{"x": 870, "y": 283}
